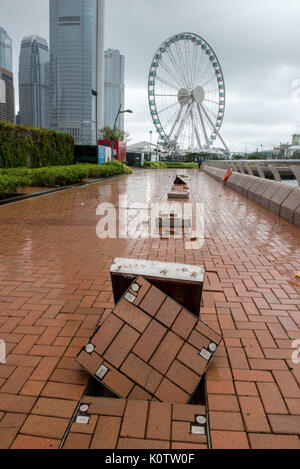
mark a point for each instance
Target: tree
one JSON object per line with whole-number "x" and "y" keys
{"x": 114, "y": 134}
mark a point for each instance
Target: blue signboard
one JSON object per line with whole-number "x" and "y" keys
{"x": 101, "y": 154}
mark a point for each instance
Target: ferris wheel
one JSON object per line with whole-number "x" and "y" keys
{"x": 187, "y": 93}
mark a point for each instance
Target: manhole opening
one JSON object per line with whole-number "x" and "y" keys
{"x": 199, "y": 396}
{"x": 95, "y": 389}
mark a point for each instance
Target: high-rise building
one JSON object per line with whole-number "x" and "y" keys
{"x": 113, "y": 87}
{"x": 34, "y": 82}
{"x": 7, "y": 95}
{"x": 77, "y": 67}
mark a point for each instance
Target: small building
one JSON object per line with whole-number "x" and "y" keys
{"x": 292, "y": 151}
{"x": 296, "y": 140}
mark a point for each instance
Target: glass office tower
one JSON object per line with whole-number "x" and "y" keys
{"x": 77, "y": 67}
{"x": 113, "y": 87}
{"x": 7, "y": 96}
{"x": 34, "y": 82}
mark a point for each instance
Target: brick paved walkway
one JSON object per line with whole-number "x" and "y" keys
{"x": 55, "y": 289}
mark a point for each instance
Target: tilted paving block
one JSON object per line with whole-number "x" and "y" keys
{"x": 182, "y": 282}
{"x": 150, "y": 344}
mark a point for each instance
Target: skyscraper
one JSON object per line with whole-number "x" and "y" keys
{"x": 7, "y": 95}
{"x": 77, "y": 67}
{"x": 113, "y": 87}
{"x": 34, "y": 82}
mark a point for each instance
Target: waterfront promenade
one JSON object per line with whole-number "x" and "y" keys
{"x": 55, "y": 289}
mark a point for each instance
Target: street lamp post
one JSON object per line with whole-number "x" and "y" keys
{"x": 115, "y": 123}
{"x": 95, "y": 93}
{"x": 150, "y": 143}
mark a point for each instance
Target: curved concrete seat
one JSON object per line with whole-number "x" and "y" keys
{"x": 279, "y": 197}
{"x": 261, "y": 189}
{"x": 290, "y": 205}
{"x": 269, "y": 193}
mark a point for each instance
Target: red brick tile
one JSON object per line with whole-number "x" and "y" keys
{"x": 252, "y": 375}
{"x": 220, "y": 387}
{"x": 17, "y": 380}
{"x": 285, "y": 424}
{"x": 293, "y": 406}
{"x": 254, "y": 414}
{"x": 159, "y": 421}
{"x": 246, "y": 388}
{"x": 106, "y": 333}
{"x": 77, "y": 441}
{"x": 271, "y": 398}
{"x": 166, "y": 352}
{"x": 107, "y": 406}
{"x": 34, "y": 442}
{"x": 7, "y": 436}
{"x": 15, "y": 403}
{"x": 263, "y": 364}
{"x": 237, "y": 358}
{"x": 63, "y": 391}
{"x": 183, "y": 377}
{"x": 87, "y": 429}
{"x": 167, "y": 389}
{"x": 138, "y": 394}
{"x": 168, "y": 312}
{"x": 26, "y": 344}
{"x": 287, "y": 384}
{"x": 229, "y": 421}
{"x": 229, "y": 440}
{"x": 48, "y": 427}
{"x": 138, "y": 444}
{"x": 54, "y": 408}
{"x": 187, "y": 413}
{"x": 223, "y": 402}
{"x": 181, "y": 431}
{"x": 32, "y": 388}
{"x": 134, "y": 420}
{"x": 152, "y": 301}
{"x": 121, "y": 346}
{"x": 260, "y": 441}
{"x": 184, "y": 324}
{"x": 102, "y": 439}
{"x": 149, "y": 341}
{"x": 252, "y": 348}
{"x": 69, "y": 376}
{"x": 191, "y": 358}
{"x": 47, "y": 351}
{"x": 141, "y": 373}
{"x": 132, "y": 315}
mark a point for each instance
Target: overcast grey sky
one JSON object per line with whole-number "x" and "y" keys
{"x": 257, "y": 43}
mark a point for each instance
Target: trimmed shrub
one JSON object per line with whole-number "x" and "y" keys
{"x": 13, "y": 178}
{"x": 154, "y": 165}
{"x": 22, "y": 146}
{"x": 173, "y": 164}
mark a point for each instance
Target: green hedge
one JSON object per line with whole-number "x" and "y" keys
{"x": 30, "y": 146}
{"x": 174, "y": 164}
{"x": 153, "y": 165}
{"x": 13, "y": 178}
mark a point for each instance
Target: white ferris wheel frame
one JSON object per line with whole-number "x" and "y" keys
{"x": 179, "y": 80}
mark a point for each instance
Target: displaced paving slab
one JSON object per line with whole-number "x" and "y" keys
{"x": 150, "y": 342}
{"x": 120, "y": 424}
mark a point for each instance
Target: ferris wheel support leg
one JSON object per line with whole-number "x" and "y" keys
{"x": 198, "y": 138}
{"x": 182, "y": 123}
{"x": 175, "y": 123}
{"x": 214, "y": 127}
{"x": 203, "y": 126}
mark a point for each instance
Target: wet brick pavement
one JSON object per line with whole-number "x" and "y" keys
{"x": 55, "y": 290}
